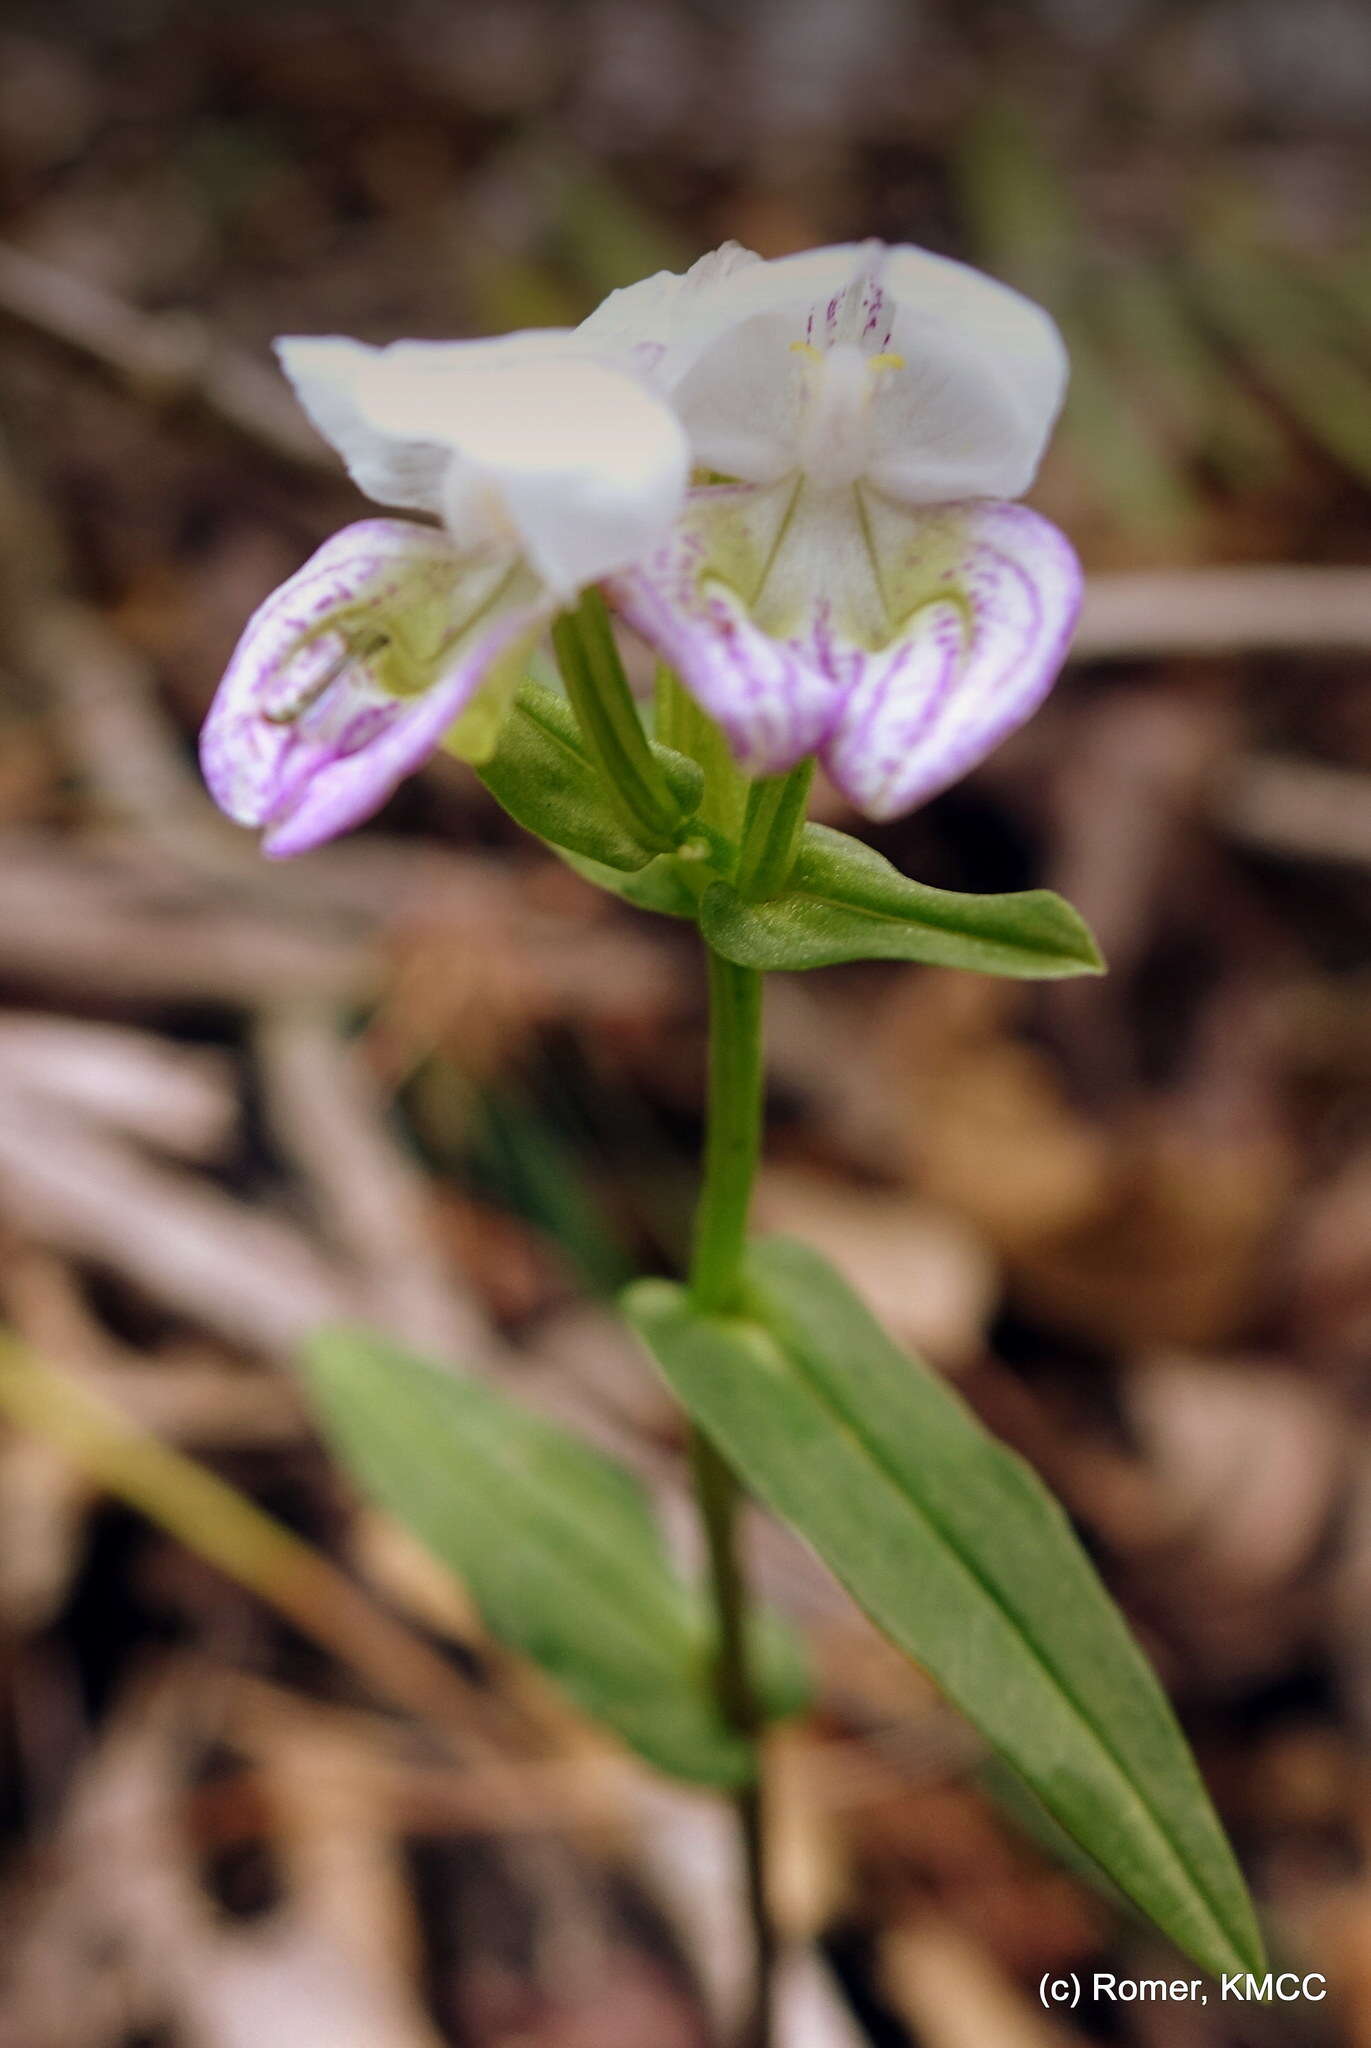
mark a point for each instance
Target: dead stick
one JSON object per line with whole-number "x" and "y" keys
{"x": 236, "y": 1536}
{"x": 167, "y": 359}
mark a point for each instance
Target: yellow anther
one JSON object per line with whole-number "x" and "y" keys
{"x": 806, "y": 348}
{"x": 888, "y": 361}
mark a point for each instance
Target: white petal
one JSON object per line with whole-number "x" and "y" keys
{"x": 1005, "y": 325}
{"x": 721, "y": 291}
{"x": 376, "y": 406}
{"x": 591, "y": 468}
{"x": 982, "y": 373}
{"x": 964, "y": 411}
{"x": 990, "y": 595}
{"x": 741, "y": 401}
{"x": 635, "y": 323}
{"x": 587, "y": 469}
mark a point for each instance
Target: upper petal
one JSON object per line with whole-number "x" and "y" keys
{"x": 741, "y": 399}
{"x": 989, "y": 596}
{"x": 684, "y": 314}
{"x": 571, "y": 456}
{"x": 966, "y": 408}
{"x": 972, "y": 378}
{"x": 591, "y": 467}
{"x": 349, "y": 391}
{"x": 637, "y": 322}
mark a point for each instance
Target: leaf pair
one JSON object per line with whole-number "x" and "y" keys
{"x": 943, "y": 1535}
{"x": 842, "y": 901}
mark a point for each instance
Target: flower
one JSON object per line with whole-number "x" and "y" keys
{"x": 548, "y": 470}
{"x": 849, "y": 578}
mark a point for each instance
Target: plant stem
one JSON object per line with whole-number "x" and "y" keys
{"x": 609, "y": 721}
{"x": 719, "y": 1497}
{"x": 732, "y": 1145}
{"x": 733, "y": 1133}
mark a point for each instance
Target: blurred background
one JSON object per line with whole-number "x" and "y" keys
{"x": 265, "y": 1781}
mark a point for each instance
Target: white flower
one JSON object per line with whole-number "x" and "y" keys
{"x": 548, "y": 470}
{"x": 857, "y": 586}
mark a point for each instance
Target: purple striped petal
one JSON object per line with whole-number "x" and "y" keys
{"x": 308, "y": 733}
{"x": 346, "y": 788}
{"x": 993, "y": 592}
{"x": 773, "y": 695}
{"x": 902, "y": 644}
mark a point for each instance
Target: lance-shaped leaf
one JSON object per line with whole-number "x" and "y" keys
{"x": 961, "y": 1556}
{"x": 846, "y": 902}
{"x": 556, "y": 1543}
{"x": 541, "y": 774}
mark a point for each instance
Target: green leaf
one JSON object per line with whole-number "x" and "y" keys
{"x": 1022, "y": 1808}
{"x": 555, "y": 1541}
{"x": 957, "y": 1551}
{"x": 540, "y": 773}
{"x": 846, "y": 902}
{"x": 660, "y": 886}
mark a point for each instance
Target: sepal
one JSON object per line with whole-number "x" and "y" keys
{"x": 541, "y": 774}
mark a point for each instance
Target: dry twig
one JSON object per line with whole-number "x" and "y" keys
{"x": 1146, "y": 613}
{"x": 164, "y": 359}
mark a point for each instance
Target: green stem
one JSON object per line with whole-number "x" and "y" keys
{"x": 609, "y": 721}
{"x": 719, "y": 1496}
{"x": 733, "y": 1133}
{"x": 732, "y": 1147}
